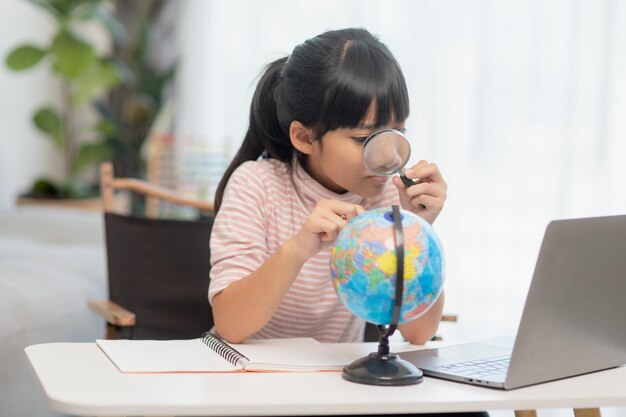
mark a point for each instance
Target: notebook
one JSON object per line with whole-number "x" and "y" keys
{"x": 211, "y": 354}
{"x": 573, "y": 320}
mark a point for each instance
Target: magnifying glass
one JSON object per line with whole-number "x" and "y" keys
{"x": 386, "y": 152}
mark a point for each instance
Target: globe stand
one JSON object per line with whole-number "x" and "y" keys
{"x": 383, "y": 367}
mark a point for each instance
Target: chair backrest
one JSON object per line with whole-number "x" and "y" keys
{"x": 159, "y": 269}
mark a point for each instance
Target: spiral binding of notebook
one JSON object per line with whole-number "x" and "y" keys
{"x": 223, "y": 349}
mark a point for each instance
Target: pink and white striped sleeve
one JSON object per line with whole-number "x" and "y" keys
{"x": 238, "y": 238}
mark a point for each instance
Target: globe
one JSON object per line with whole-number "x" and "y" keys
{"x": 363, "y": 266}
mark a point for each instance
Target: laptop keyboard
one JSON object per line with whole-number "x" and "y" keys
{"x": 480, "y": 368}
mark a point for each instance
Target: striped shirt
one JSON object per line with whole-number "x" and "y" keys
{"x": 260, "y": 211}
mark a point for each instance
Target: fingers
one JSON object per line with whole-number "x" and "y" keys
{"x": 425, "y": 172}
{"x": 427, "y": 188}
{"x": 428, "y": 195}
{"x": 329, "y": 217}
{"x": 429, "y": 181}
{"x": 329, "y": 229}
{"x": 427, "y": 203}
{"x": 340, "y": 209}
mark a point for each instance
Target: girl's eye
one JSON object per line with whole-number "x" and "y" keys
{"x": 403, "y": 130}
{"x": 359, "y": 139}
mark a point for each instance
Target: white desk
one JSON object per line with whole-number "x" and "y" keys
{"x": 79, "y": 379}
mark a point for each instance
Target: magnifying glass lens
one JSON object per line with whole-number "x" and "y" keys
{"x": 386, "y": 152}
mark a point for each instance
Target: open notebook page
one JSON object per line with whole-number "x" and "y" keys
{"x": 162, "y": 356}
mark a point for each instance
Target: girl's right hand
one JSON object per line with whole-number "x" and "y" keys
{"x": 322, "y": 226}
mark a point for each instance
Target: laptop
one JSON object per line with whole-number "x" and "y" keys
{"x": 574, "y": 319}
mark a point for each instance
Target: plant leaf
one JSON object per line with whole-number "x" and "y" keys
{"x": 44, "y": 4}
{"x": 91, "y": 153}
{"x": 100, "y": 77}
{"x": 49, "y": 122}
{"x": 107, "y": 113}
{"x": 106, "y": 128}
{"x": 72, "y": 55}
{"x": 113, "y": 25}
{"x": 45, "y": 188}
{"x": 126, "y": 75}
{"x": 24, "y": 57}
{"x": 98, "y": 10}
{"x": 76, "y": 188}
{"x": 66, "y": 7}
{"x": 168, "y": 74}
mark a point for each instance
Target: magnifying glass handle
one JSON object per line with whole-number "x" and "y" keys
{"x": 407, "y": 181}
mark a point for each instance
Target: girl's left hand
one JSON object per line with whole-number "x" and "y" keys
{"x": 426, "y": 198}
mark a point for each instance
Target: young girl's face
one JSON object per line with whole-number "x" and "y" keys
{"x": 336, "y": 160}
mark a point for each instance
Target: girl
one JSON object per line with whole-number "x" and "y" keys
{"x": 297, "y": 180}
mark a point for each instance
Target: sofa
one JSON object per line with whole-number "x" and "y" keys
{"x": 52, "y": 260}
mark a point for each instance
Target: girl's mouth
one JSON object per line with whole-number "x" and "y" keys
{"x": 378, "y": 179}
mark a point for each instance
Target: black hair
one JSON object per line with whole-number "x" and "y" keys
{"x": 328, "y": 82}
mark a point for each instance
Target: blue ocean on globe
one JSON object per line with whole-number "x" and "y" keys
{"x": 363, "y": 266}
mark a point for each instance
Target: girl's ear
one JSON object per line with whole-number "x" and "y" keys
{"x": 301, "y": 137}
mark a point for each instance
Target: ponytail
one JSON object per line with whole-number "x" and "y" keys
{"x": 265, "y": 133}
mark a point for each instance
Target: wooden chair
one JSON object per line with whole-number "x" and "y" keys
{"x": 158, "y": 269}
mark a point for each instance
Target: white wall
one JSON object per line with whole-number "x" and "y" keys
{"x": 24, "y": 153}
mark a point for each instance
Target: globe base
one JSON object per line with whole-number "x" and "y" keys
{"x": 382, "y": 369}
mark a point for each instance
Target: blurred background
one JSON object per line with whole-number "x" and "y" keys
{"x": 521, "y": 103}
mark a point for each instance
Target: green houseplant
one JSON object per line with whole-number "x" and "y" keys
{"x": 145, "y": 47}
{"x": 83, "y": 75}
{"x": 121, "y": 86}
